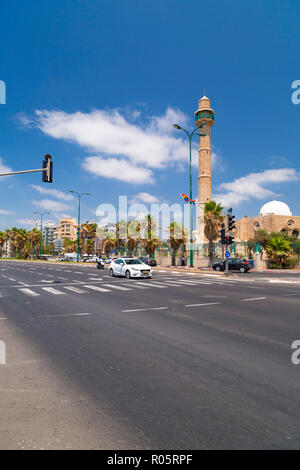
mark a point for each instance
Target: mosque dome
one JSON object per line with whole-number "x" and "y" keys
{"x": 276, "y": 208}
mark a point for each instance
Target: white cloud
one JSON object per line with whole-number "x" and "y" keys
{"x": 28, "y": 222}
{"x": 114, "y": 137}
{"x": 118, "y": 169}
{"x": 4, "y": 212}
{"x": 50, "y": 205}
{"x": 4, "y": 168}
{"x": 53, "y": 192}
{"x": 144, "y": 197}
{"x": 253, "y": 186}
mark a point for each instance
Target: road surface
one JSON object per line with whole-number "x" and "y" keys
{"x": 181, "y": 361}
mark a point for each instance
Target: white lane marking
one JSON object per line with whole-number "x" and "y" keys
{"x": 11, "y": 279}
{"x": 253, "y": 298}
{"x": 78, "y": 272}
{"x": 49, "y": 275}
{"x": 97, "y": 288}
{"x": 152, "y": 284}
{"x": 161, "y": 271}
{"x": 51, "y": 290}
{"x": 144, "y": 309}
{"x": 5, "y": 277}
{"x": 59, "y": 277}
{"x": 203, "y": 305}
{"x": 75, "y": 289}
{"x": 64, "y": 315}
{"x": 3, "y": 318}
{"x": 66, "y": 271}
{"x": 29, "y": 292}
{"x": 23, "y": 283}
{"x": 113, "y": 286}
{"x": 289, "y": 295}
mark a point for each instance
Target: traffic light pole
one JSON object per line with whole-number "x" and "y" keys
{"x": 46, "y": 170}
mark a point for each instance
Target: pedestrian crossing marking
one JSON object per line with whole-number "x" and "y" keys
{"x": 75, "y": 289}
{"x": 100, "y": 289}
{"x": 29, "y": 292}
{"x": 113, "y": 286}
{"x": 160, "y": 286}
{"x": 51, "y": 290}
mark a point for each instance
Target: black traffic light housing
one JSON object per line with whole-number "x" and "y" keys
{"x": 222, "y": 234}
{"x": 231, "y": 222}
{"x": 47, "y": 174}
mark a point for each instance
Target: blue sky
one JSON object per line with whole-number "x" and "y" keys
{"x": 98, "y": 84}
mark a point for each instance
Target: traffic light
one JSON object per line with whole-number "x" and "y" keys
{"x": 231, "y": 222}
{"x": 47, "y": 174}
{"x": 222, "y": 234}
{"x": 230, "y": 240}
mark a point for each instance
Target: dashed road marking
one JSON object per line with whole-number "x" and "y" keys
{"x": 253, "y": 298}
{"x": 203, "y": 305}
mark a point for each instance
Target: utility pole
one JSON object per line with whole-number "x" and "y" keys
{"x": 79, "y": 195}
{"x": 41, "y": 234}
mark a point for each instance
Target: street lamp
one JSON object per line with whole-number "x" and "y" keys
{"x": 78, "y": 229}
{"x": 41, "y": 235}
{"x": 190, "y": 136}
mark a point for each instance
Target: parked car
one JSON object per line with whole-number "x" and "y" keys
{"x": 109, "y": 260}
{"x": 149, "y": 261}
{"x": 234, "y": 264}
{"x": 94, "y": 259}
{"x": 129, "y": 267}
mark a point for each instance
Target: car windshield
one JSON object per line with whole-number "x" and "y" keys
{"x": 133, "y": 261}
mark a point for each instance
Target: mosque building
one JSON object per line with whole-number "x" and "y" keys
{"x": 274, "y": 216}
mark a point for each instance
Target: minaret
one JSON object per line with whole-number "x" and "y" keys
{"x": 205, "y": 117}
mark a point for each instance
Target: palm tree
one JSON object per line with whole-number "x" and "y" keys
{"x": 2, "y": 241}
{"x": 109, "y": 244}
{"x": 133, "y": 235}
{"x": 34, "y": 237}
{"x": 212, "y": 220}
{"x": 70, "y": 245}
{"x": 177, "y": 239}
{"x": 278, "y": 251}
{"x": 150, "y": 241}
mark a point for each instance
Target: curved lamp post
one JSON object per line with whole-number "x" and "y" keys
{"x": 78, "y": 229}
{"x": 190, "y": 136}
{"x": 41, "y": 236}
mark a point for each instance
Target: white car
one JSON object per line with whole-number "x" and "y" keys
{"x": 129, "y": 267}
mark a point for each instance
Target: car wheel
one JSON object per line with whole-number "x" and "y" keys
{"x": 242, "y": 269}
{"x": 111, "y": 272}
{"x": 217, "y": 268}
{"x": 127, "y": 274}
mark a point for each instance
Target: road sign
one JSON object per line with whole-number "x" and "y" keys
{"x": 227, "y": 254}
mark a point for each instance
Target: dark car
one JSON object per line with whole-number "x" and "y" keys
{"x": 149, "y": 261}
{"x": 234, "y": 264}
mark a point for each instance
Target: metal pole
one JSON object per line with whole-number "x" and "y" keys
{"x": 41, "y": 236}
{"x": 78, "y": 229}
{"x": 191, "y": 208}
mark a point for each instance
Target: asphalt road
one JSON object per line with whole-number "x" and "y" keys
{"x": 177, "y": 362}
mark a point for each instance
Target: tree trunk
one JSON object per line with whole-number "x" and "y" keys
{"x": 211, "y": 253}
{"x": 173, "y": 257}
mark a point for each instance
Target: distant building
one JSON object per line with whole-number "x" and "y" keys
{"x": 58, "y": 245}
{"x": 66, "y": 229}
{"x": 275, "y": 216}
{"x": 49, "y": 233}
